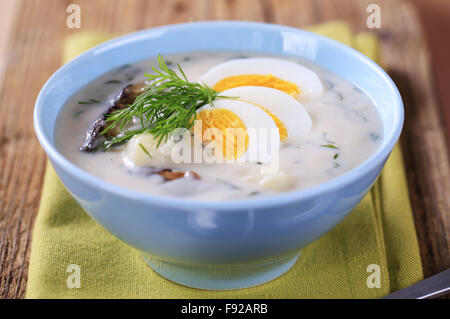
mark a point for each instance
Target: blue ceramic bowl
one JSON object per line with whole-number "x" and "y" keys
{"x": 231, "y": 244}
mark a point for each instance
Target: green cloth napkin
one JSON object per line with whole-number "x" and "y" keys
{"x": 379, "y": 231}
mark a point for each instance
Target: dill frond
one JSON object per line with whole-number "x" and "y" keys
{"x": 167, "y": 103}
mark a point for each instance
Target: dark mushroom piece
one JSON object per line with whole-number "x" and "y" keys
{"x": 123, "y": 100}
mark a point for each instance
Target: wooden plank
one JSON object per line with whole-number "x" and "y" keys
{"x": 35, "y": 53}
{"x": 8, "y": 14}
{"x": 435, "y": 15}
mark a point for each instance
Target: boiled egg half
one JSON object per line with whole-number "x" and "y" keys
{"x": 289, "y": 77}
{"x": 290, "y": 116}
{"x": 239, "y": 130}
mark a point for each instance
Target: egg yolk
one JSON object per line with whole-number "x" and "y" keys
{"x": 257, "y": 80}
{"x": 281, "y": 128}
{"x": 233, "y": 132}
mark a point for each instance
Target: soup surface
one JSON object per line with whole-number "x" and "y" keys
{"x": 346, "y": 129}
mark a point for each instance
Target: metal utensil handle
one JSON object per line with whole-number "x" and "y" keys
{"x": 432, "y": 287}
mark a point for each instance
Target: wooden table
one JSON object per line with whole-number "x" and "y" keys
{"x": 34, "y": 53}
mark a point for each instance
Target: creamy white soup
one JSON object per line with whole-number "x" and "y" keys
{"x": 324, "y": 124}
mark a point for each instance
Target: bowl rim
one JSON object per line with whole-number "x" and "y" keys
{"x": 235, "y": 204}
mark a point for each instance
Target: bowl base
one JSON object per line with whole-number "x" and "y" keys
{"x": 222, "y": 277}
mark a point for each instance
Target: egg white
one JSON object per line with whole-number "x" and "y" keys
{"x": 290, "y": 111}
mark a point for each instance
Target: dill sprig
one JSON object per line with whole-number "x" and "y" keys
{"x": 167, "y": 103}
{"x": 330, "y": 146}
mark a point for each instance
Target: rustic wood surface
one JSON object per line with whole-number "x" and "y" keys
{"x": 34, "y": 53}
{"x": 435, "y": 17}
